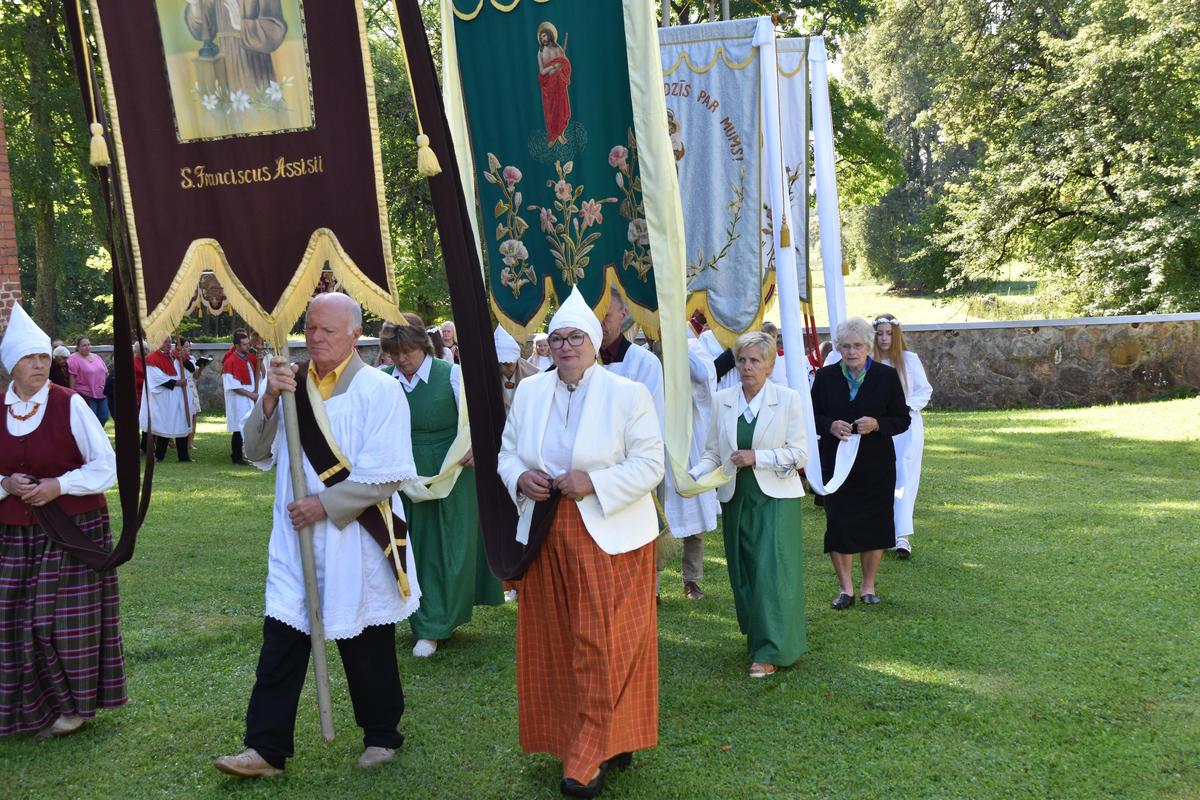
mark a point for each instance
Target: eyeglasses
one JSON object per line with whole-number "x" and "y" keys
{"x": 576, "y": 340}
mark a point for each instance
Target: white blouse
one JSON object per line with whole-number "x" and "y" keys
{"x": 99, "y": 470}
{"x": 562, "y": 426}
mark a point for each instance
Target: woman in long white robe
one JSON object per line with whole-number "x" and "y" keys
{"x": 890, "y": 349}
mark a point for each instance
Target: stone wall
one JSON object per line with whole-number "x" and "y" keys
{"x": 1058, "y": 362}
{"x": 986, "y": 364}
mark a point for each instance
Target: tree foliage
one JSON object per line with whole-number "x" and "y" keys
{"x": 58, "y": 229}
{"x": 1061, "y": 133}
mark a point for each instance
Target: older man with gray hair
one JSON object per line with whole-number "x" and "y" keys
{"x": 368, "y": 581}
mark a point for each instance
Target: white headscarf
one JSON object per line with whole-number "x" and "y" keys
{"x": 507, "y": 349}
{"x": 576, "y": 313}
{"x": 23, "y": 338}
{"x": 539, "y": 337}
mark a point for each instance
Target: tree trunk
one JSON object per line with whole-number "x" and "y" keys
{"x": 38, "y": 28}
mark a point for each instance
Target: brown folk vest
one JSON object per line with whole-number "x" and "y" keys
{"x": 47, "y": 452}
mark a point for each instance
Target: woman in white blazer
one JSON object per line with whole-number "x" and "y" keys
{"x": 757, "y": 439}
{"x": 587, "y": 633}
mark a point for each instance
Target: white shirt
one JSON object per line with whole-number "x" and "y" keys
{"x": 99, "y": 470}
{"x": 749, "y": 409}
{"x": 422, "y": 376}
{"x": 562, "y": 426}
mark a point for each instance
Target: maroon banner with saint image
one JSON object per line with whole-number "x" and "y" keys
{"x": 247, "y": 145}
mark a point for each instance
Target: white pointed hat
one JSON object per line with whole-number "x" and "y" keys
{"x": 507, "y": 349}
{"x": 576, "y": 313}
{"x": 23, "y": 338}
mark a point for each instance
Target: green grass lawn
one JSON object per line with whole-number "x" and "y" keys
{"x": 1014, "y": 295}
{"x": 1043, "y": 642}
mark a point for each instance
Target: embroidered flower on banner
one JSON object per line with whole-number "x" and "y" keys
{"x": 512, "y": 176}
{"x": 592, "y": 213}
{"x": 638, "y": 232}
{"x": 617, "y": 157}
{"x": 209, "y": 101}
{"x": 274, "y": 91}
{"x": 239, "y": 101}
{"x": 547, "y": 220}
{"x": 563, "y": 190}
{"x": 517, "y": 272}
{"x": 513, "y": 251}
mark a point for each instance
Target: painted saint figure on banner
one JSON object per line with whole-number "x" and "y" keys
{"x": 245, "y": 31}
{"x": 554, "y": 76}
{"x": 236, "y": 67}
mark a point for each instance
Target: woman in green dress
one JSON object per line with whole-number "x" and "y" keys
{"x": 444, "y": 534}
{"x": 757, "y": 438}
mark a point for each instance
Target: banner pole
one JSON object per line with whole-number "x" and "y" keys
{"x": 308, "y": 560}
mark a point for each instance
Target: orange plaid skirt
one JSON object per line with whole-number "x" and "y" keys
{"x": 587, "y": 649}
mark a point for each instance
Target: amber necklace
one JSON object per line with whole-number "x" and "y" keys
{"x": 22, "y": 417}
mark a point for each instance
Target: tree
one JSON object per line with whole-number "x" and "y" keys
{"x": 892, "y": 238}
{"x": 416, "y": 249}
{"x": 1063, "y": 134}
{"x": 58, "y": 229}
{"x": 1091, "y": 165}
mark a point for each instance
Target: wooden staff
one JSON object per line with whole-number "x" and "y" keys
{"x": 308, "y": 560}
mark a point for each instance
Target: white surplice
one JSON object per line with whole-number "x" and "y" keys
{"x": 370, "y": 423}
{"x": 691, "y": 515}
{"x": 166, "y": 406}
{"x": 910, "y": 445}
{"x": 237, "y": 406}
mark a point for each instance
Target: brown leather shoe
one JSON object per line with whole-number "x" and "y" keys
{"x": 692, "y": 591}
{"x": 246, "y": 764}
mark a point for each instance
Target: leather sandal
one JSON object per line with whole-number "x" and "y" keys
{"x": 762, "y": 670}
{"x": 843, "y": 602}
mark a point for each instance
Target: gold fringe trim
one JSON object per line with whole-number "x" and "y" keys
{"x": 206, "y": 255}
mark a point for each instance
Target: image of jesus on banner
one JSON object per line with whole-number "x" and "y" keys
{"x": 554, "y": 76}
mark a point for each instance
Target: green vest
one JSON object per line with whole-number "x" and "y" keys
{"x": 433, "y": 415}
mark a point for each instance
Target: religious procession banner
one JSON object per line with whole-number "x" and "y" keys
{"x": 792, "y": 58}
{"x": 552, "y": 121}
{"x": 722, "y": 108}
{"x": 247, "y": 144}
{"x": 559, "y": 124}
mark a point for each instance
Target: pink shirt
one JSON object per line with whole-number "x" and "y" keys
{"x": 89, "y": 374}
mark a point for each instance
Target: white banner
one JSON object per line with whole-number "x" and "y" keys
{"x": 713, "y": 77}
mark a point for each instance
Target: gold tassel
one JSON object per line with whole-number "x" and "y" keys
{"x": 785, "y": 235}
{"x": 99, "y": 151}
{"x": 427, "y": 160}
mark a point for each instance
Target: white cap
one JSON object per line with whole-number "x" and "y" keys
{"x": 507, "y": 349}
{"x": 23, "y": 338}
{"x": 576, "y": 313}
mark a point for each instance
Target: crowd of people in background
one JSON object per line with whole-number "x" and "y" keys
{"x": 585, "y": 434}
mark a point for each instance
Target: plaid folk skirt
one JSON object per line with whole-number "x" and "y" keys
{"x": 60, "y": 640}
{"x": 587, "y": 649}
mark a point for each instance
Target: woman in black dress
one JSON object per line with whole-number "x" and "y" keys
{"x": 859, "y": 396}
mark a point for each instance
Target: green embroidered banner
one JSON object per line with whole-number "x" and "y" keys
{"x": 548, "y": 105}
